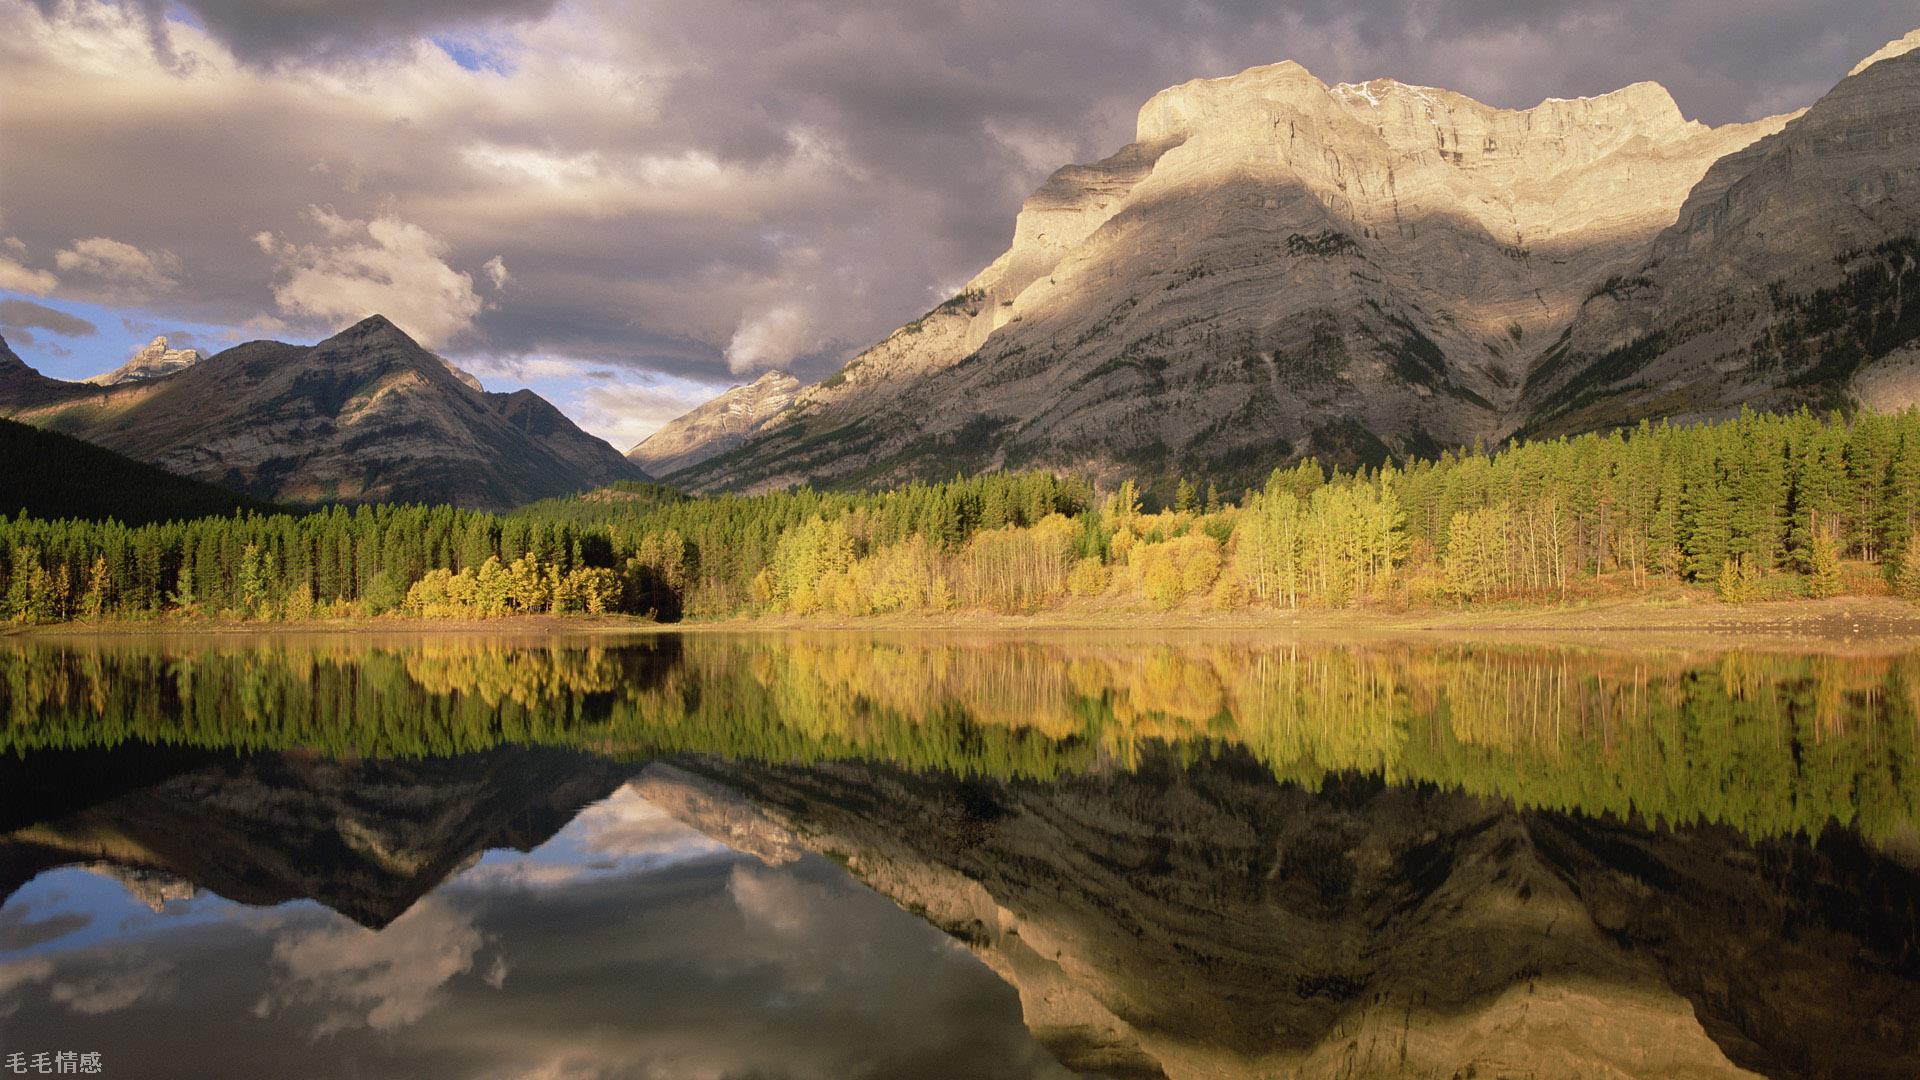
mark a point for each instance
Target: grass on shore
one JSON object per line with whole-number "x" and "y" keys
{"x": 1852, "y": 621}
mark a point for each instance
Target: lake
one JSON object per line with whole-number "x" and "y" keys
{"x": 847, "y": 855}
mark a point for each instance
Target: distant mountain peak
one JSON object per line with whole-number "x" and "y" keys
{"x": 152, "y": 361}
{"x": 716, "y": 426}
{"x": 374, "y": 329}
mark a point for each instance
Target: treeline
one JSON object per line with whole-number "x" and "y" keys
{"x": 637, "y": 549}
{"x": 336, "y": 562}
{"x": 1757, "y": 507}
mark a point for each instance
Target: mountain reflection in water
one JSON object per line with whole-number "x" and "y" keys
{"x": 1206, "y": 857}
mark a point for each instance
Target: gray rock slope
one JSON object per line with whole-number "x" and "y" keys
{"x": 1276, "y": 267}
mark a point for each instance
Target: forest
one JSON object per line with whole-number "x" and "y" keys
{"x": 1759, "y": 507}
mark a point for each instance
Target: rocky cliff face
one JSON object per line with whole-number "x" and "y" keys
{"x": 152, "y": 361}
{"x": 1274, "y": 267}
{"x": 367, "y": 415}
{"x": 1200, "y": 920}
{"x": 1277, "y": 267}
{"x": 717, "y": 426}
{"x": 1785, "y": 279}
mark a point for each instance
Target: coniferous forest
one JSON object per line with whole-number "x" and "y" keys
{"x": 1758, "y": 507}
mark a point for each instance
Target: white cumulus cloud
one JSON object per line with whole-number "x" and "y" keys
{"x": 121, "y": 271}
{"x": 774, "y": 339}
{"x": 381, "y": 979}
{"x": 383, "y": 266}
{"x": 15, "y": 277}
{"x": 626, "y": 413}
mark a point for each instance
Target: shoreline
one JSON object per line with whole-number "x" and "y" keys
{"x": 1849, "y": 623}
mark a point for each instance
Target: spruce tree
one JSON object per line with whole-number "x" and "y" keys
{"x": 1823, "y": 578}
{"x": 1706, "y": 511}
{"x": 1907, "y": 581}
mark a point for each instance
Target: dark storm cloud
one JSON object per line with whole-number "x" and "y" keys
{"x": 20, "y": 315}
{"x": 670, "y": 184}
{"x": 269, "y": 30}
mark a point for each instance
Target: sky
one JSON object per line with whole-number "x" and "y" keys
{"x": 630, "y": 206}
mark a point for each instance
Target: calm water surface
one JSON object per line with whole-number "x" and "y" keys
{"x": 889, "y": 856}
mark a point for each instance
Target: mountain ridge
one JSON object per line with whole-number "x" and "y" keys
{"x": 1823, "y": 213}
{"x": 366, "y": 415}
{"x": 1276, "y": 268}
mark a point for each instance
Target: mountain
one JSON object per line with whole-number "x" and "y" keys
{"x": 21, "y": 383}
{"x": 1786, "y": 280}
{"x": 151, "y": 362}
{"x": 538, "y": 419}
{"x": 1276, "y": 267}
{"x": 717, "y": 426}
{"x": 366, "y": 415}
{"x": 365, "y": 838}
{"x": 50, "y": 475}
{"x": 1189, "y": 917}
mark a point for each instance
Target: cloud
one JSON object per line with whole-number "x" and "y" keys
{"x": 496, "y": 975}
{"x": 121, "y": 271}
{"x": 383, "y": 979}
{"x": 773, "y": 339}
{"x": 776, "y": 900}
{"x": 18, "y": 315}
{"x": 124, "y": 986}
{"x": 496, "y": 269}
{"x": 384, "y": 266}
{"x": 15, "y": 974}
{"x": 266, "y": 31}
{"x": 626, "y": 413}
{"x": 16, "y": 933}
{"x": 15, "y": 277}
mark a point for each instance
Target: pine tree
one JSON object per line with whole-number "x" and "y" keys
{"x": 1869, "y": 455}
{"x": 1823, "y": 577}
{"x": 1706, "y": 513}
{"x": 1818, "y": 482}
{"x": 1907, "y": 581}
